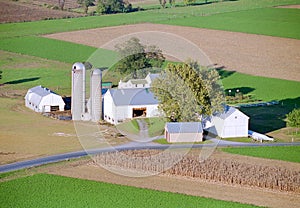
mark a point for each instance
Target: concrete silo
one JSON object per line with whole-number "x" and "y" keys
{"x": 96, "y": 95}
{"x": 78, "y": 91}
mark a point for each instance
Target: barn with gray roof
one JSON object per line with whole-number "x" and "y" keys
{"x": 122, "y": 104}
{"x": 41, "y": 99}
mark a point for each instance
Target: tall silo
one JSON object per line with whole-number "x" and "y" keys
{"x": 78, "y": 91}
{"x": 96, "y": 95}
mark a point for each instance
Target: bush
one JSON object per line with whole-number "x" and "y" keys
{"x": 113, "y": 6}
{"x": 293, "y": 118}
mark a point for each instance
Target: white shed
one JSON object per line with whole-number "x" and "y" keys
{"x": 231, "y": 123}
{"x": 41, "y": 99}
{"x": 122, "y": 104}
{"x": 184, "y": 132}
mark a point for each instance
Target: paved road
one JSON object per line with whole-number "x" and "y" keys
{"x": 127, "y": 146}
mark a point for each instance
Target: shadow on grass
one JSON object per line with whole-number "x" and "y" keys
{"x": 224, "y": 73}
{"x": 20, "y": 81}
{"x": 243, "y": 90}
{"x": 265, "y": 119}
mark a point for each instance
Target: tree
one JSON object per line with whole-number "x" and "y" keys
{"x": 134, "y": 57}
{"x": 293, "y": 118}
{"x": 61, "y": 4}
{"x": 189, "y": 2}
{"x": 86, "y": 4}
{"x": 113, "y": 6}
{"x": 183, "y": 93}
{"x": 172, "y": 2}
{"x": 163, "y": 3}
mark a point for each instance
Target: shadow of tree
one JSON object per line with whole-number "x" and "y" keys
{"x": 224, "y": 73}
{"x": 243, "y": 90}
{"x": 265, "y": 119}
{"x": 19, "y": 81}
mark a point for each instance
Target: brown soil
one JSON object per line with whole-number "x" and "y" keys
{"x": 247, "y": 53}
{"x": 297, "y": 6}
{"x": 186, "y": 185}
{"x": 23, "y": 11}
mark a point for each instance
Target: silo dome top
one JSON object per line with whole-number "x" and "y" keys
{"x": 78, "y": 66}
{"x": 96, "y": 72}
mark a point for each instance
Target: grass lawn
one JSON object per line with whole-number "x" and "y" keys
{"x": 130, "y": 126}
{"x": 42, "y": 190}
{"x": 262, "y": 88}
{"x": 238, "y": 139}
{"x": 156, "y": 126}
{"x": 286, "y": 153}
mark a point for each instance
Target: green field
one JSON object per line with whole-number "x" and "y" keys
{"x": 286, "y": 153}
{"x": 44, "y": 190}
{"x": 268, "y": 21}
{"x": 262, "y": 88}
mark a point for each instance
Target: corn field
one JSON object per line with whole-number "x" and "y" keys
{"x": 213, "y": 169}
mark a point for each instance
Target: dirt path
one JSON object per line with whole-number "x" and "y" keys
{"x": 296, "y": 6}
{"x": 262, "y": 197}
{"x": 247, "y": 53}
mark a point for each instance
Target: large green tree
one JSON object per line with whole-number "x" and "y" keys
{"x": 135, "y": 57}
{"x": 85, "y": 4}
{"x": 293, "y": 118}
{"x": 113, "y": 6}
{"x": 184, "y": 95}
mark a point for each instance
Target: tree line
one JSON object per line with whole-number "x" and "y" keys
{"x": 117, "y": 6}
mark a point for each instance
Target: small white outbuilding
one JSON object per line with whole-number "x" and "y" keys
{"x": 41, "y": 99}
{"x": 183, "y": 132}
{"x": 231, "y": 123}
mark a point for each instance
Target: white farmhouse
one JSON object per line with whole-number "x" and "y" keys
{"x": 138, "y": 83}
{"x": 230, "y": 123}
{"x": 184, "y": 132}
{"x": 41, "y": 99}
{"x": 122, "y": 104}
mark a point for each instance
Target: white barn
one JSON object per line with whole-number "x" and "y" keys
{"x": 138, "y": 83}
{"x": 184, "y": 132}
{"x": 122, "y": 104}
{"x": 231, "y": 123}
{"x": 41, "y": 99}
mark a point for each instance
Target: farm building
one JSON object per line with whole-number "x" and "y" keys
{"x": 138, "y": 83}
{"x": 184, "y": 132}
{"x": 230, "y": 123}
{"x": 122, "y": 104}
{"x": 41, "y": 99}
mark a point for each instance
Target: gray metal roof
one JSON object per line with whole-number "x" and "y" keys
{"x": 41, "y": 91}
{"x": 153, "y": 76}
{"x": 133, "y": 97}
{"x": 184, "y": 127}
{"x": 228, "y": 112}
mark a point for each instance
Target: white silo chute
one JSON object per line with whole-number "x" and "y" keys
{"x": 96, "y": 95}
{"x": 78, "y": 91}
